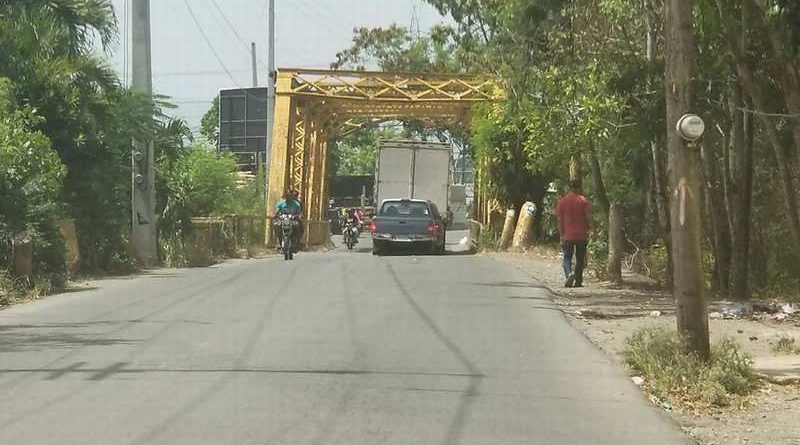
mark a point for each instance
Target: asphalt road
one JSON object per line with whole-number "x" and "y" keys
{"x": 332, "y": 348}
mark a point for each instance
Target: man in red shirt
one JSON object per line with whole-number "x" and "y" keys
{"x": 574, "y": 214}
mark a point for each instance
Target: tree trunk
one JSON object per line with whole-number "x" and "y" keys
{"x": 576, "y": 169}
{"x": 736, "y": 37}
{"x": 788, "y": 77}
{"x": 685, "y": 211}
{"x": 616, "y": 242}
{"x": 651, "y": 218}
{"x": 599, "y": 184}
{"x": 613, "y": 212}
{"x": 658, "y": 158}
{"x": 780, "y": 151}
{"x": 741, "y": 197}
{"x": 720, "y": 229}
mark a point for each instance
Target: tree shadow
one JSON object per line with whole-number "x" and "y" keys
{"x": 27, "y": 338}
{"x": 513, "y": 284}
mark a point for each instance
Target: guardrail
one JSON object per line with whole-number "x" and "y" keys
{"x": 475, "y": 229}
{"x": 231, "y": 236}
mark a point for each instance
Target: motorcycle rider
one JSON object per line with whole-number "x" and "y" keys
{"x": 291, "y": 206}
{"x": 360, "y": 215}
{"x": 352, "y": 219}
{"x": 296, "y": 196}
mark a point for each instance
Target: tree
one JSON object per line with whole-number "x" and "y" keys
{"x": 50, "y": 59}
{"x": 392, "y": 49}
{"x": 585, "y": 82}
{"x": 202, "y": 182}
{"x": 396, "y": 49}
{"x": 209, "y": 124}
{"x": 686, "y": 216}
{"x": 356, "y": 153}
{"x": 49, "y": 56}
{"x": 31, "y": 177}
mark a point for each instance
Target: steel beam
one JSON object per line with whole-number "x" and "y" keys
{"x": 279, "y": 161}
{"x": 315, "y": 106}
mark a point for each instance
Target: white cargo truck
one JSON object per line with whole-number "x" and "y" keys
{"x": 413, "y": 170}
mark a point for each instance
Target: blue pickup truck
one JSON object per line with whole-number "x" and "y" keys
{"x": 412, "y": 223}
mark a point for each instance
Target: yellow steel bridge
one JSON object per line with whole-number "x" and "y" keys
{"x": 314, "y": 107}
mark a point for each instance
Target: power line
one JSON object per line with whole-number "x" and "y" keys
{"x": 333, "y": 12}
{"x": 190, "y": 102}
{"x": 307, "y": 11}
{"x": 230, "y": 25}
{"x": 263, "y": 14}
{"x": 216, "y": 55}
{"x": 208, "y": 43}
{"x": 198, "y": 73}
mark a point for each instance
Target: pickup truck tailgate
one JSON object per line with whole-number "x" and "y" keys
{"x": 401, "y": 226}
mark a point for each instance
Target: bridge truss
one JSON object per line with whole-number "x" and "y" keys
{"x": 315, "y": 107}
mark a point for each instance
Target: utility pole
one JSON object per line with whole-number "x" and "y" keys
{"x": 271, "y": 78}
{"x": 684, "y": 162}
{"x": 143, "y": 199}
{"x": 253, "y": 63}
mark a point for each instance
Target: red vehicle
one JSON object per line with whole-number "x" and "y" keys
{"x": 412, "y": 223}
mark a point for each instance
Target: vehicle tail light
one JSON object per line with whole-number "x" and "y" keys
{"x": 433, "y": 228}
{"x": 373, "y": 227}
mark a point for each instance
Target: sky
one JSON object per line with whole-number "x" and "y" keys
{"x": 309, "y": 33}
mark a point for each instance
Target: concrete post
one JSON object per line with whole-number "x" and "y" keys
{"x": 523, "y": 235}
{"x": 143, "y": 206}
{"x": 508, "y": 230}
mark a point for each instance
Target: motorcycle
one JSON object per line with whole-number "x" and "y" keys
{"x": 350, "y": 232}
{"x": 286, "y": 225}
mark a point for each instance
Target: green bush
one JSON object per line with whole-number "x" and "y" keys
{"x": 488, "y": 239}
{"x": 200, "y": 182}
{"x": 597, "y": 255}
{"x": 203, "y": 181}
{"x": 675, "y": 375}
{"x": 31, "y": 178}
{"x": 249, "y": 199}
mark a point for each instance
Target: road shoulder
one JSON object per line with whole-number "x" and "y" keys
{"x": 608, "y": 314}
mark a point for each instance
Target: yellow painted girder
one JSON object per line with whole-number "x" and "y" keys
{"x": 314, "y": 106}
{"x": 376, "y": 87}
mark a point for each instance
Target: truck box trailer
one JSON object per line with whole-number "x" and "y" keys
{"x": 413, "y": 170}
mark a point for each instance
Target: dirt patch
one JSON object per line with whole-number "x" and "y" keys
{"x": 609, "y": 314}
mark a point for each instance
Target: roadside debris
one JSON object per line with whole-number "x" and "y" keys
{"x": 759, "y": 310}
{"x": 734, "y": 310}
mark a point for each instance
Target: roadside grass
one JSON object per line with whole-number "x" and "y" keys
{"x": 785, "y": 345}
{"x": 488, "y": 240}
{"x": 674, "y": 376}
{"x": 17, "y": 289}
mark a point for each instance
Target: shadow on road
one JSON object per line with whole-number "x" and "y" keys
{"x": 27, "y": 337}
{"x": 467, "y": 252}
{"x": 23, "y": 338}
{"x": 514, "y": 284}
